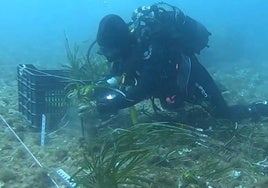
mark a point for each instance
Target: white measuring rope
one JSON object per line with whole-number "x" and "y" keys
{"x": 27, "y": 149}
{"x": 53, "y": 75}
{"x": 22, "y": 143}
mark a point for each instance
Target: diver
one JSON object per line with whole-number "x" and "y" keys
{"x": 152, "y": 58}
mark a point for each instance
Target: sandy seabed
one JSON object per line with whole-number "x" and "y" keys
{"x": 62, "y": 151}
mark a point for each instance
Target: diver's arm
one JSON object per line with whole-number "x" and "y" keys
{"x": 132, "y": 97}
{"x": 143, "y": 90}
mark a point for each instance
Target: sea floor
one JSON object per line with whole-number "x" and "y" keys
{"x": 230, "y": 155}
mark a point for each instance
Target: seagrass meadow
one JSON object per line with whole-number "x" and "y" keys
{"x": 52, "y": 134}
{"x": 164, "y": 149}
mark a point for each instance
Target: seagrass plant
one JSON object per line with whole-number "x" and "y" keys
{"x": 83, "y": 68}
{"x": 85, "y": 72}
{"x": 124, "y": 156}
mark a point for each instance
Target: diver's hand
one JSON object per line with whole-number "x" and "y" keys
{"x": 108, "y": 100}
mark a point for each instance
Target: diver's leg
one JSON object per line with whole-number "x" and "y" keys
{"x": 204, "y": 91}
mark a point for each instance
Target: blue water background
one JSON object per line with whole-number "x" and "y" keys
{"x": 32, "y": 31}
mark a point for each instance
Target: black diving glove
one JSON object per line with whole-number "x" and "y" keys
{"x": 109, "y": 100}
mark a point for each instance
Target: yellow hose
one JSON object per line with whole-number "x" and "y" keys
{"x": 133, "y": 115}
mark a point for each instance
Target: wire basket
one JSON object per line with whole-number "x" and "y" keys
{"x": 42, "y": 92}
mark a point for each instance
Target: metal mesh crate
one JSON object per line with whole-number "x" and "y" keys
{"x": 42, "y": 92}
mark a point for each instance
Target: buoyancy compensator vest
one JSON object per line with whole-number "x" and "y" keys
{"x": 162, "y": 21}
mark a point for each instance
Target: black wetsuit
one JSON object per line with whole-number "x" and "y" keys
{"x": 173, "y": 78}
{"x": 202, "y": 90}
{"x": 160, "y": 66}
